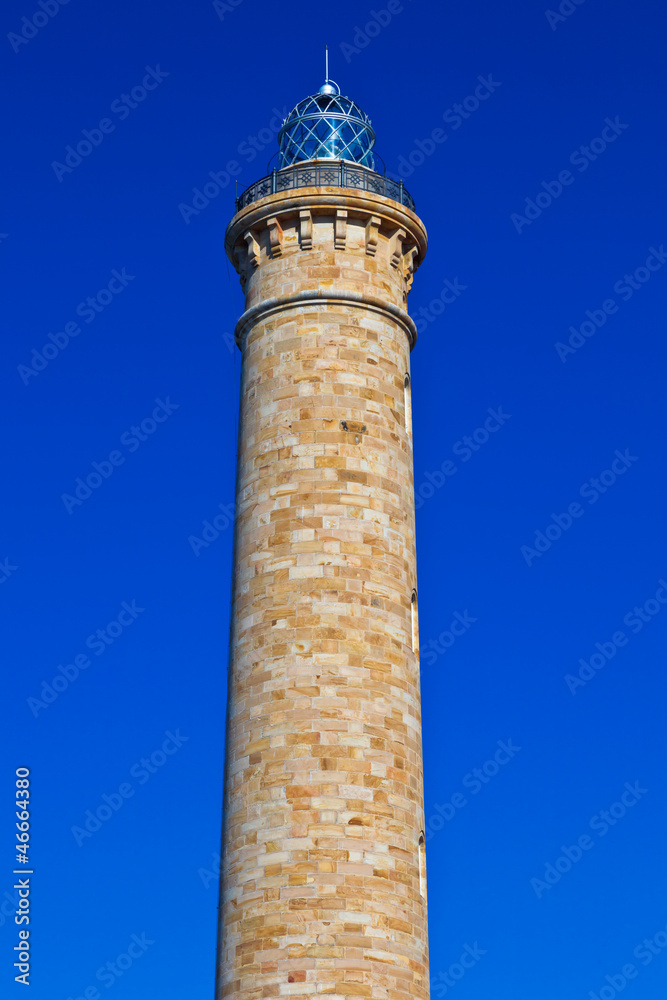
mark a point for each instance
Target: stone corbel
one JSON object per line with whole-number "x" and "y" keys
{"x": 240, "y": 258}
{"x": 340, "y": 229}
{"x": 275, "y": 237}
{"x": 253, "y": 248}
{"x": 396, "y": 247}
{"x": 409, "y": 269}
{"x": 306, "y": 230}
{"x": 372, "y": 231}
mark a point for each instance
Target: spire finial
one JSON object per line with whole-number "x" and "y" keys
{"x": 329, "y": 86}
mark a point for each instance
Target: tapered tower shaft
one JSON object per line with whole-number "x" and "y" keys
{"x": 323, "y": 886}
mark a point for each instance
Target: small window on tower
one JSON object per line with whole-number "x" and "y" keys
{"x": 422, "y": 865}
{"x": 407, "y": 402}
{"x": 415, "y": 623}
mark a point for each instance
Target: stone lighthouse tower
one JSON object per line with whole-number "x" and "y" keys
{"x": 323, "y": 880}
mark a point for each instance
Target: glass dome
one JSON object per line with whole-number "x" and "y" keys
{"x": 326, "y": 126}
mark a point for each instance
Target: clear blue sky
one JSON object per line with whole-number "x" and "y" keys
{"x": 159, "y": 331}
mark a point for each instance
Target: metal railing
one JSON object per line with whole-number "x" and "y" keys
{"x": 339, "y": 174}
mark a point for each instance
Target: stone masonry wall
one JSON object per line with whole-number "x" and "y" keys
{"x": 320, "y": 887}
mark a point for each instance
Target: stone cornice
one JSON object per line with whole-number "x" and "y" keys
{"x": 330, "y": 296}
{"x": 329, "y": 201}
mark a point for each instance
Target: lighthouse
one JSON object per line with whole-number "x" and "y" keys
{"x": 323, "y": 872}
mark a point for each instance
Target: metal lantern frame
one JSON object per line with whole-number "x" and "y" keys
{"x": 326, "y": 125}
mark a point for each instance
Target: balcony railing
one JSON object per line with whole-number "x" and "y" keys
{"x": 340, "y": 174}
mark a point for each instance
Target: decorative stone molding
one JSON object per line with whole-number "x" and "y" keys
{"x": 239, "y": 260}
{"x": 253, "y": 248}
{"x": 396, "y": 247}
{"x": 335, "y": 296}
{"x": 340, "y": 229}
{"x": 409, "y": 272}
{"x": 372, "y": 232}
{"x": 287, "y": 205}
{"x": 275, "y": 236}
{"x": 306, "y": 226}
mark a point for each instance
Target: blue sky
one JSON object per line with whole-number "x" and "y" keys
{"x": 538, "y": 388}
